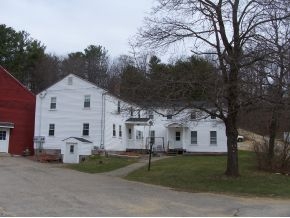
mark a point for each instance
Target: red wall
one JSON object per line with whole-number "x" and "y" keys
{"x": 17, "y": 105}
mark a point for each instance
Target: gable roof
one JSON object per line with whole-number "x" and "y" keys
{"x": 93, "y": 84}
{"x": 19, "y": 84}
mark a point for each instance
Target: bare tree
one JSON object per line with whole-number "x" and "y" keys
{"x": 228, "y": 28}
{"x": 276, "y": 40}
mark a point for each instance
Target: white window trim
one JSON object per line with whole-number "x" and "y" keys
{"x": 194, "y": 144}
{"x": 51, "y": 129}
{"x": 87, "y": 97}
{"x": 51, "y": 102}
{"x": 88, "y": 129}
{"x": 216, "y": 142}
{"x": 114, "y": 131}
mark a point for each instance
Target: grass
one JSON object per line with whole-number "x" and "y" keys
{"x": 206, "y": 174}
{"x": 100, "y": 164}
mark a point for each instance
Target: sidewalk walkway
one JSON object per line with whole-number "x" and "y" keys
{"x": 124, "y": 171}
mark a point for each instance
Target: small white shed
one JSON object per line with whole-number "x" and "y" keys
{"x": 74, "y": 147}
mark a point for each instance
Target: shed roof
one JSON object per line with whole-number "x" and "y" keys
{"x": 79, "y": 139}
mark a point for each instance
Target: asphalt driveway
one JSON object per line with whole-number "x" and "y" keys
{"x": 29, "y": 188}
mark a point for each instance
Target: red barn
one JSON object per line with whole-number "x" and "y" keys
{"x": 17, "y": 112}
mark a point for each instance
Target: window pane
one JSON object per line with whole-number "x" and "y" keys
{"x": 3, "y": 135}
{"x": 87, "y": 102}
{"x": 120, "y": 131}
{"x": 114, "y": 130}
{"x": 213, "y": 137}
{"x": 177, "y": 136}
{"x": 51, "y": 129}
{"x": 193, "y": 116}
{"x": 193, "y": 137}
{"x": 150, "y": 114}
{"x": 71, "y": 149}
{"x": 86, "y": 129}
{"x": 53, "y": 103}
{"x": 119, "y": 107}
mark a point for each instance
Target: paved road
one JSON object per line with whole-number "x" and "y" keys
{"x": 35, "y": 189}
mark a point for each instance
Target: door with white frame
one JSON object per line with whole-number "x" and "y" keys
{"x": 178, "y": 138}
{"x": 71, "y": 153}
{"x": 4, "y": 140}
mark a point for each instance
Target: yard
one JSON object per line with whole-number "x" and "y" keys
{"x": 205, "y": 174}
{"x": 100, "y": 164}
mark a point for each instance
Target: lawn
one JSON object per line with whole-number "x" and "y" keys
{"x": 206, "y": 174}
{"x": 100, "y": 164}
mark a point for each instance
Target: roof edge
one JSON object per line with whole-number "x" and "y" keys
{"x": 17, "y": 81}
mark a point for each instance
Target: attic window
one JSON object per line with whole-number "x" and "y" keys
{"x": 119, "y": 107}
{"x": 193, "y": 115}
{"x": 70, "y": 80}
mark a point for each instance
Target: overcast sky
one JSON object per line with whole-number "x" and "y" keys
{"x": 65, "y": 26}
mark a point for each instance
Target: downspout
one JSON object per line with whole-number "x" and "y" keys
{"x": 103, "y": 120}
{"x": 41, "y": 96}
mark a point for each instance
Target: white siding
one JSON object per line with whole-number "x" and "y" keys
{"x": 70, "y": 113}
{"x": 112, "y": 116}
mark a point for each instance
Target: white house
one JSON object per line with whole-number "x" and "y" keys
{"x": 74, "y": 117}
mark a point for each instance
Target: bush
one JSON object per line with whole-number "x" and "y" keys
{"x": 279, "y": 163}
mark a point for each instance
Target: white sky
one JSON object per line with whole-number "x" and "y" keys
{"x": 65, "y": 26}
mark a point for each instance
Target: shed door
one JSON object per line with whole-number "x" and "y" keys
{"x": 4, "y": 140}
{"x": 71, "y": 153}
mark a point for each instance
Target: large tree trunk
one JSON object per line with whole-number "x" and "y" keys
{"x": 272, "y": 136}
{"x": 231, "y": 123}
{"x": 232, "y": 134}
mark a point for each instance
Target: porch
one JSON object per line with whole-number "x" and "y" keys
{"x": 176, "y": 137}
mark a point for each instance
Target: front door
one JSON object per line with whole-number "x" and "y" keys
{"x": 178, "y": 138}
{"x": 4, "y": 140}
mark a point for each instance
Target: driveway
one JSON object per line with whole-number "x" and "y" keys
{"x": 29, "y": 188}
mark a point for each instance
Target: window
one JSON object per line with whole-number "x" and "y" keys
{"x": 120, "y": 131}
{"x": 169, "y": 116}
{"x": 139, "y": 135}
{"x": 87, "y": 101}
{"x": 53, "y": 103}
{"x": 177, "y": 136}
{"x": 119, "y": 107}
{"x": 2, "y": 135}
{"x": 193, "y": 115}
{"x": 114, "y": 130}
{"x": 131, "y": 111}
{"x": 69, "y": 80}
{"x": 194, "y": 137}
{"x": 213, "y": 138}
{"x": 150, "y": 114}
{"x": 212, "y": 116}
{"x": 152, "y": 136}
{"x": 51, "y": 129}
{"x": 72, "y": 149}
{"x": 129, "y": 133}
{"x": 86, "y": 129}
